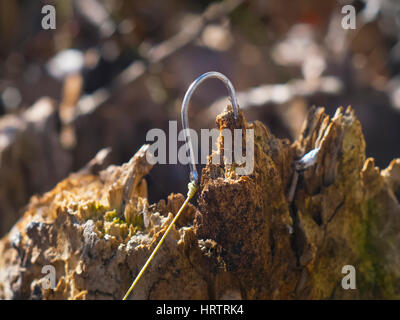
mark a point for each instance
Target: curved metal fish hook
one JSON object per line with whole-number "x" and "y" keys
{"x": 194, "y": 176}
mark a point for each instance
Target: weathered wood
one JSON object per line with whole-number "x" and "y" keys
{"x": 245, "y": 239}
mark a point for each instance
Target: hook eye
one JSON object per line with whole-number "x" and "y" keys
{"x": 194, "y": 176}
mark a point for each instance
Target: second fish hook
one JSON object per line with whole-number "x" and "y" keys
{"x": 194, "y": 176}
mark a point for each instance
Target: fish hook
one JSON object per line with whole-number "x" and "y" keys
{"x": 194, "y": 176}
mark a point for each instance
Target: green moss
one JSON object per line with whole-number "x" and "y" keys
{"x": 137, "y": 221}
{"x": 96, "y": 207}
{"x": 110, "y": 215}
{"x": 111, "y": 221}
{"x": 373, "y": 279}
{"x": 117, "y": 220}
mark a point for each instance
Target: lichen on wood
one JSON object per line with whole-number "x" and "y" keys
{"x": 244, "y": 239}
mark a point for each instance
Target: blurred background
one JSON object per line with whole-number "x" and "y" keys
{"x": 112, "y": 70}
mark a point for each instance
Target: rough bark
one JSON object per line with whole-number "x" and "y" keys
{"x": 246, "y": 238}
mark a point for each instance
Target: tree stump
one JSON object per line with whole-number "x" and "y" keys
{"x": 260, "y": 236}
